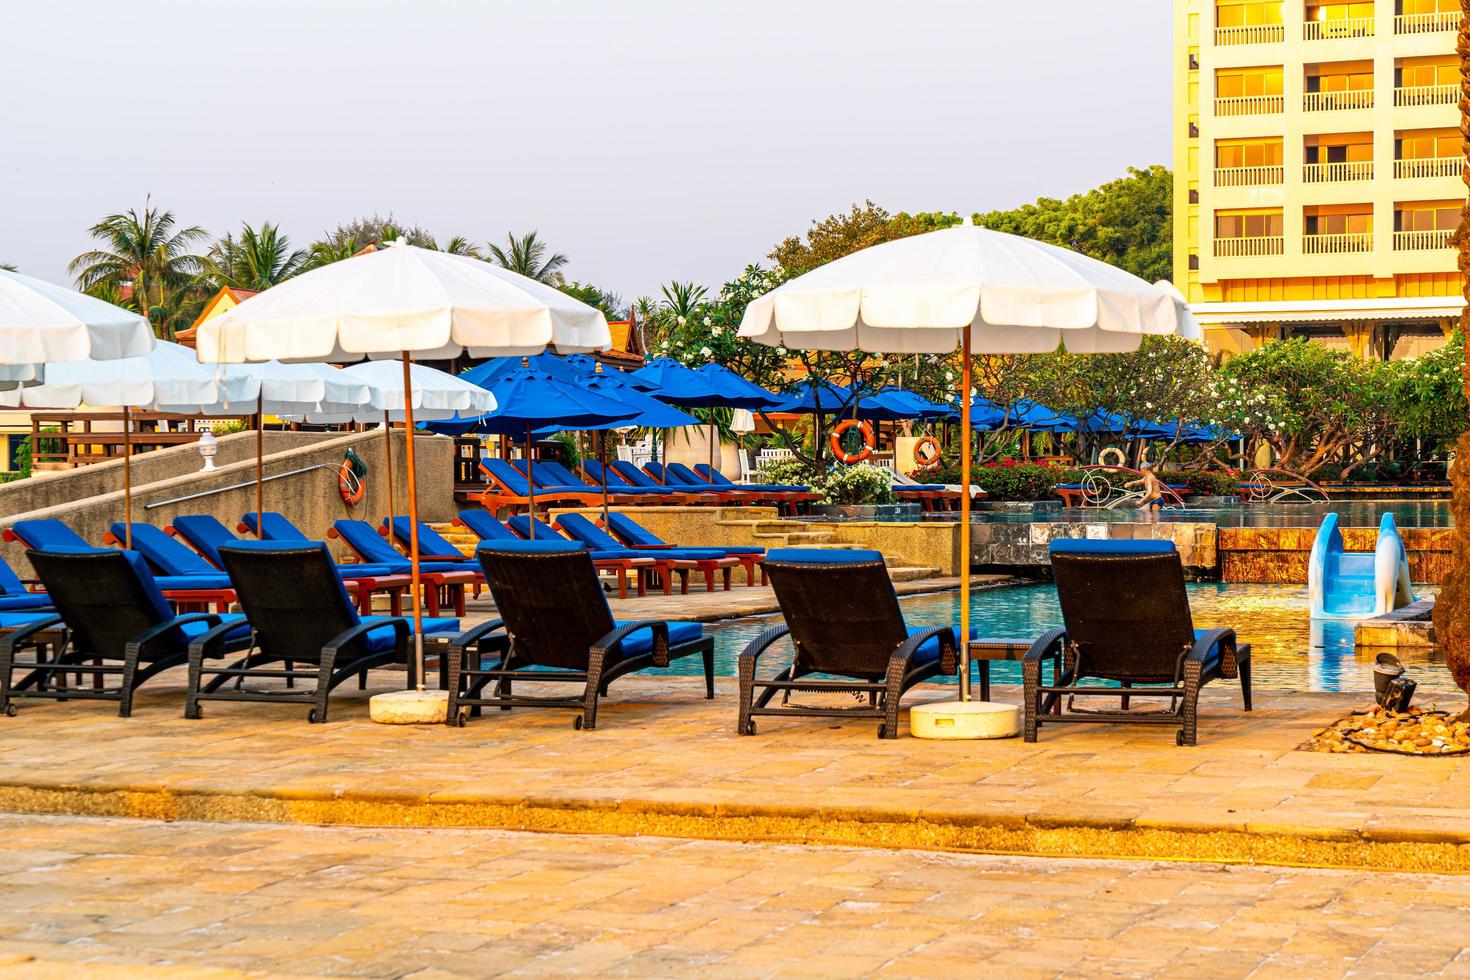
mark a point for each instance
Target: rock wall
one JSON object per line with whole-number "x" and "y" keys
{"x": 1024, "y": 546}
{"x": 1282, "y": 554}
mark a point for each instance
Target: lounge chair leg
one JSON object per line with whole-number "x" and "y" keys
{"x": 318, "y": 714}
{"x": 125, "y": 687}
{"x": 454, "y": 717}
{"x": 191, "y": 695}
{"x": 709, "y": 670}
{"x": 7, "y": 667}
{"x": 1244, "y": 667}
{"x": 587, "y": 720}
{"x": 1126, "y": 685}
{"x": 725, "y": 576}
{"x": 1188, "y": 732}
{"x": 290, "y": 681}
{"x": 1031, "y": 699}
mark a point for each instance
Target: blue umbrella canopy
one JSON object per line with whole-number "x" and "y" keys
{"x": 526, "y": 397}
{"x": 678, "y": 385}
{"x": 651, "y": 413}
{"x": 896, "y": 404}
{"x": 736, "y": 391}
{"x": 809, "y": 397}
{"x": 487, "y": 373}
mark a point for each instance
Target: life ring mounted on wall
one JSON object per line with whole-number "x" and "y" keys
{"x": 927, "y": 455}
{"x": 865, "y": 429}
{"x": 1112, "y": 456}
{"x": 350, "y": 482}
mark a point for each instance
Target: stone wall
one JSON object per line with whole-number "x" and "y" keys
{"x": 1282, "y": 554}
{"x": 310, "y": 499}
{"x": 1022, "y": 547}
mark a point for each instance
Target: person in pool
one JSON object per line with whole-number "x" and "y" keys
{"x": 1153, "y": 490}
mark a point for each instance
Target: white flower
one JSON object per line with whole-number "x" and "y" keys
{"x": 706, "y": 321}
{"x": 705, "y": 352}
{"x": 682, "y": 321}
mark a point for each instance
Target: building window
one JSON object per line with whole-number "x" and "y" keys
{"x": 1248, "y": 232}
{"x": 1193, "y": 262}
{"x": 1427, "y": 153}
{"x": 1248, "y": 22}
{"x": 1425, "y": 224}
{"x": 1194, "y": 195}
{"x": 1329, "y": 20}
{"x": 1247, "y": 91}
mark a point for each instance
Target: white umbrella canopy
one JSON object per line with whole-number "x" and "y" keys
{"x": 285, "y": 389}
{"x": 434, "y": 395}
{"x": 401, "y": 298}
{"x": 168, "y": 375}
{"x": 41, "y": 323}
{"x": 919, "y": 294}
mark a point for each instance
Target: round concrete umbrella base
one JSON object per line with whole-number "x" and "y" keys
{"x": 409, "y": 707}
{"x": 964, "y": 720}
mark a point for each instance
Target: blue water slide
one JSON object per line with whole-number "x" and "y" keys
{"x": 1356, "y": 585}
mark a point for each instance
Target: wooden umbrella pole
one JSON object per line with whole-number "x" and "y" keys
{"x": 964, "y": 556}
{"x": 260, "y": 464}
{"x": 710, "y": 476}
{"x": 530, "y": 482}
{"x": 127, "y": 478}
{"x": 388, "y": 465}
{"x": 602, "y": 461}
{"x": 413, "y": 528}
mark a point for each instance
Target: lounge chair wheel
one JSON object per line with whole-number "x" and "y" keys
{"x": 10, "y": 711}
{"x": 577, "y": 723}
{"x": 311, "y": 716}
{"x": 461, "y": 716}
{"x": 881, "y": 730}
{"x": 198, "y": 712}
{"x": 1178, "y": 738}
{"x": 750, "y": 727}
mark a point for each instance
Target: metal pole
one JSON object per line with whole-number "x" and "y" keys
{"x": 964, "y": 557}
{"x": 388, "y": 466}
{"x": 530, "y": 481}
{"x": 127, "y": 479}
{"x": 260, "y": 463}
{"x": 413, "y": 528}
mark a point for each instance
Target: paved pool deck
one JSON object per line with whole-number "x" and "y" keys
{"x": 666, "y": 762}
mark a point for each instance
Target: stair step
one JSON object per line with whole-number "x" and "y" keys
{"x": 910, "y": 573}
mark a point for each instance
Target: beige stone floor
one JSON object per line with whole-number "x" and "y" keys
{"x": 88, "y": 897}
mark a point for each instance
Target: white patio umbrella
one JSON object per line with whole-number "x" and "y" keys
{"x": 979, "y": 290}
{"x": 43, "y": 323}
{"x": 168, "y": 375}
{"x": 402, "y": 301}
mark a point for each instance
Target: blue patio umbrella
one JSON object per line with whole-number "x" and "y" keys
{"x": 736, "y": 391}
{"x": 487, "y": 373}
{"x": 897, "y": 404}
{"x": 810, "y": 397}
{"x": 525, "y": 398}
{"x": 678, "y": 385}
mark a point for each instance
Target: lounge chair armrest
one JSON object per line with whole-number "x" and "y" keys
{"x": 758, "y": 646}
{"x": 948, "y": 647}
{"x": 22, "y": 633}
{"x": 1221, "y": 638}
{"x": 614, "y": 640}
{"x": 356, "y": 634}
{"x": 1049, "y": 644}
{"x": 210, "y": 643}
{"x": 476, "y": 635}
{"x": 153, "y": 633}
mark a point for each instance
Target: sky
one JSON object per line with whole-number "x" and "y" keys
{"x": 648, "y": 140}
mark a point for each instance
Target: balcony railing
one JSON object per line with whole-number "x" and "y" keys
{"x": 1249, "y": 176}
{"x": 1410, "y": 241}
{"x": 1325, "y": 173}
{"x": 1337, "y": 244}
{"x": 1250, "y": 34}
{"x": 1434, "y": 23}
{"x": 1358, "y": 98}
{"x": 1331, "y": 30}
{"x": 1427, "y": 95}
{"x": 1249, "y": 105}
{"x": 1231, "y": 248}
{"x": 1429, "y": 167}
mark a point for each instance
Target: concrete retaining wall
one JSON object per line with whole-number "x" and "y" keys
{"x": 1019, "y": 547}
{"x": 1281, "y": 554}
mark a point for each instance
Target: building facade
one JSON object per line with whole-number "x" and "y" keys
{"x": 1318, "y": 171}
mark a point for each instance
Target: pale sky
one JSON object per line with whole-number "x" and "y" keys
{"x": 649, "y": 140}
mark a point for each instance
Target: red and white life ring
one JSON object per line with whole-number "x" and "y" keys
{"x": 870, "y": 441}
{"x": 927, "y": 455}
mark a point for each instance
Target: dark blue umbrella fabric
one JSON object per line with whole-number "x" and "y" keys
{"x": 736, "y": 391}
{"x": 487, "y": 373}
{"x": 810, "y": 397}
{"x": 651, "y": 413}
{"x": 526, "y": 397}
{"x": 676, "y": 384}
{"x": 896, "y": 405}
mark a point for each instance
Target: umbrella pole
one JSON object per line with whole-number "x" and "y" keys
{"x": 127, "y": 478}
{"x": 964, "y": 557}
{"x": 413, "y": 529}
{"x": 530, "y": 482}
{"x": 388, "y": 465}
{"x": 260, "y": 463}
{"x": 710, "y": 477}
{"x": 602, "y": 460}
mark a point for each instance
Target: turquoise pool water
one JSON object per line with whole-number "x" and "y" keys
{"x": 1288, "y": 650}
{"x": 1354, "y": 513}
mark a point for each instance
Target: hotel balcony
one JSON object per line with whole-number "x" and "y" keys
{"x": 1231, "y": 248}
{"x": 1337, "y": 244}
{"x": 1414, "y": 241}
{"x": 1250, "y": 105}
{"x": 1429, "y": 167}
{"x": 1250, "y": 34}
{"x": 1328, "y": 101}
{"x": 1427, "y": 95}
{"x": 1249, "y": 176}
{"x": 1325, "y": 173}
{"x": 1332, "y": 30}
{"x": 1432, "y": 23}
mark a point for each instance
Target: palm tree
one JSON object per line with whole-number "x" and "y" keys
{"x": 8, "y": 267}
{"x": 329, "y": 250}
{"x": 257, "y": 260}
{"x": 527, "y": 256}
{"x": 681, "y": 299}
{"x": 460, "y": 245}
{"x": 150, "y": 253}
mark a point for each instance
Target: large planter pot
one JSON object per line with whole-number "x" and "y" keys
{"x": 868, "y": 512}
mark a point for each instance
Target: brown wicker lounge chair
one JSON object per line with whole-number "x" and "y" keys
{"x": 844, "y": 619}
{"x": 1127, "y": 621}
{"x": 557, "y": 628}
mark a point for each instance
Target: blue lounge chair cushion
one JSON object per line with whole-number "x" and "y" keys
{"x": 277, "y": 528}
{"x": 380, "y": 640}
{"x": 10, "y": 583}
{"x": 635, "y": 533}
{"x": 641, "y": 641}
{"x": 431, "y": 542}
{"x": 205, "y": 533}
{"x": 167, "y": 556}
{"x": 21, "y": 603}
{"x": 539, "y": 546}
{"x": 15, "y": 620}
{"x": 486, "y": 526}
{"x": 1091, "y": 546}
{"x": 48, "y": 534}
{"x": 194, "y": 583}
{"x": 929, "y": 649}
{"x": 824, "y": 556}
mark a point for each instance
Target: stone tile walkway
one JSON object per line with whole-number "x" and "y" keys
{"x": 666, "y": 761}
{"x": 88, "y": 897}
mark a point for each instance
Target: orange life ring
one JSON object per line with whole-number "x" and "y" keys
{"x": 349, "y": 485}
{"x": 927, "y": 455}
{"x": 870, "y": 441}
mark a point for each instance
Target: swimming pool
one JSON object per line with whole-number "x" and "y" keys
{"x": 1351, "y": 513}
{"x": 1287, "y": 649}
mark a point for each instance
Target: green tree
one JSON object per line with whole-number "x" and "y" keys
{"x": 327, "y": 251}
{"x": 611, "y": 304}
{"x": 1428, "y": 396}
{"x": 528, "y": 256}
{"x": 374, "y": 230}
{"x": 459, "y": 245}
{"x": 8, "y": 267}
{"x": 258, "y": 259}
{"x": 150, "y": 253}
{"x": 837, "y": 235}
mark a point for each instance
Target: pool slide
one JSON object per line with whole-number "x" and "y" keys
{"x": 1356, "y": 585}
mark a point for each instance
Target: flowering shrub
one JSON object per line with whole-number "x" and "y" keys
{"x": 1214, "y": 483}
{"x": 1009, "y": 479}
{"x": 785, "y": 472}
{"x": 860, "y": 484}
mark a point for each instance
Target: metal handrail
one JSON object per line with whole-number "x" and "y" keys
{"x": 237, "y": 486}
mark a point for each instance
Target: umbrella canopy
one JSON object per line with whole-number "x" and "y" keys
{"x": 486, "y": 373}
{"x": 652, "y": 413}
{"x": 919, "y": 294}
{"x": 678, "y": 385}
{"x": 168, "y": 375}
{"x": 527, "y": 398}
{"x": 402, "y": 298}
{"x": 735, "y": 391}
{"x": 287, "y": 390}
{"x": 809, "y": 397}
{"x": 896, "y": 404}
{"x": 43, "y": 323}
{"x": 433, "y": 394}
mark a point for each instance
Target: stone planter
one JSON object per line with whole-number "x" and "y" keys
{"x": 867, "y": 512}
{"x": 1017, "y": 506}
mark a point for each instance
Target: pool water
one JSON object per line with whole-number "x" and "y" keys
{"x": 1288, "y": 650}
{"x": 1353, "y": 513}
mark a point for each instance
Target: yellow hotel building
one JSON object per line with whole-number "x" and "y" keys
{"x": 1318, "y": 161}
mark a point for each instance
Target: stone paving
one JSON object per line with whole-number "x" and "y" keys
{"x": 88, "y": 897}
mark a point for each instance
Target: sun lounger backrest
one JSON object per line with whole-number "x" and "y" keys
{"x": 1125, "y": 606}
{"x": 486, "y": 526}
{"x": 683, "y": 474}
{"x": 206, "y": 533}
{"x": 47, "y": 532}
{"x": 633, "y": 474}
{"x": 841, "y": 608}
{"x": 661, "y": 473}
{"x": 715, "y": 477}
{"x": 291, "y": 594}
{"x": 10, "y": 583}
{"x": 588, "y": 533}
{"x": 547, "y": 593}
{"x": 277, "y": 527}
{"x": 521, "y": 525}
{"x": 600, "y": 474}
{"x": 506, "y": 475}
{"x": 370, "y": 546}
{"x": 106, "y": 596}
{"x": 553, "y": 474}
{"x": 632, "y": 532}
{"x": 165, "y": 554}
{"x": 431, "y": 542}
